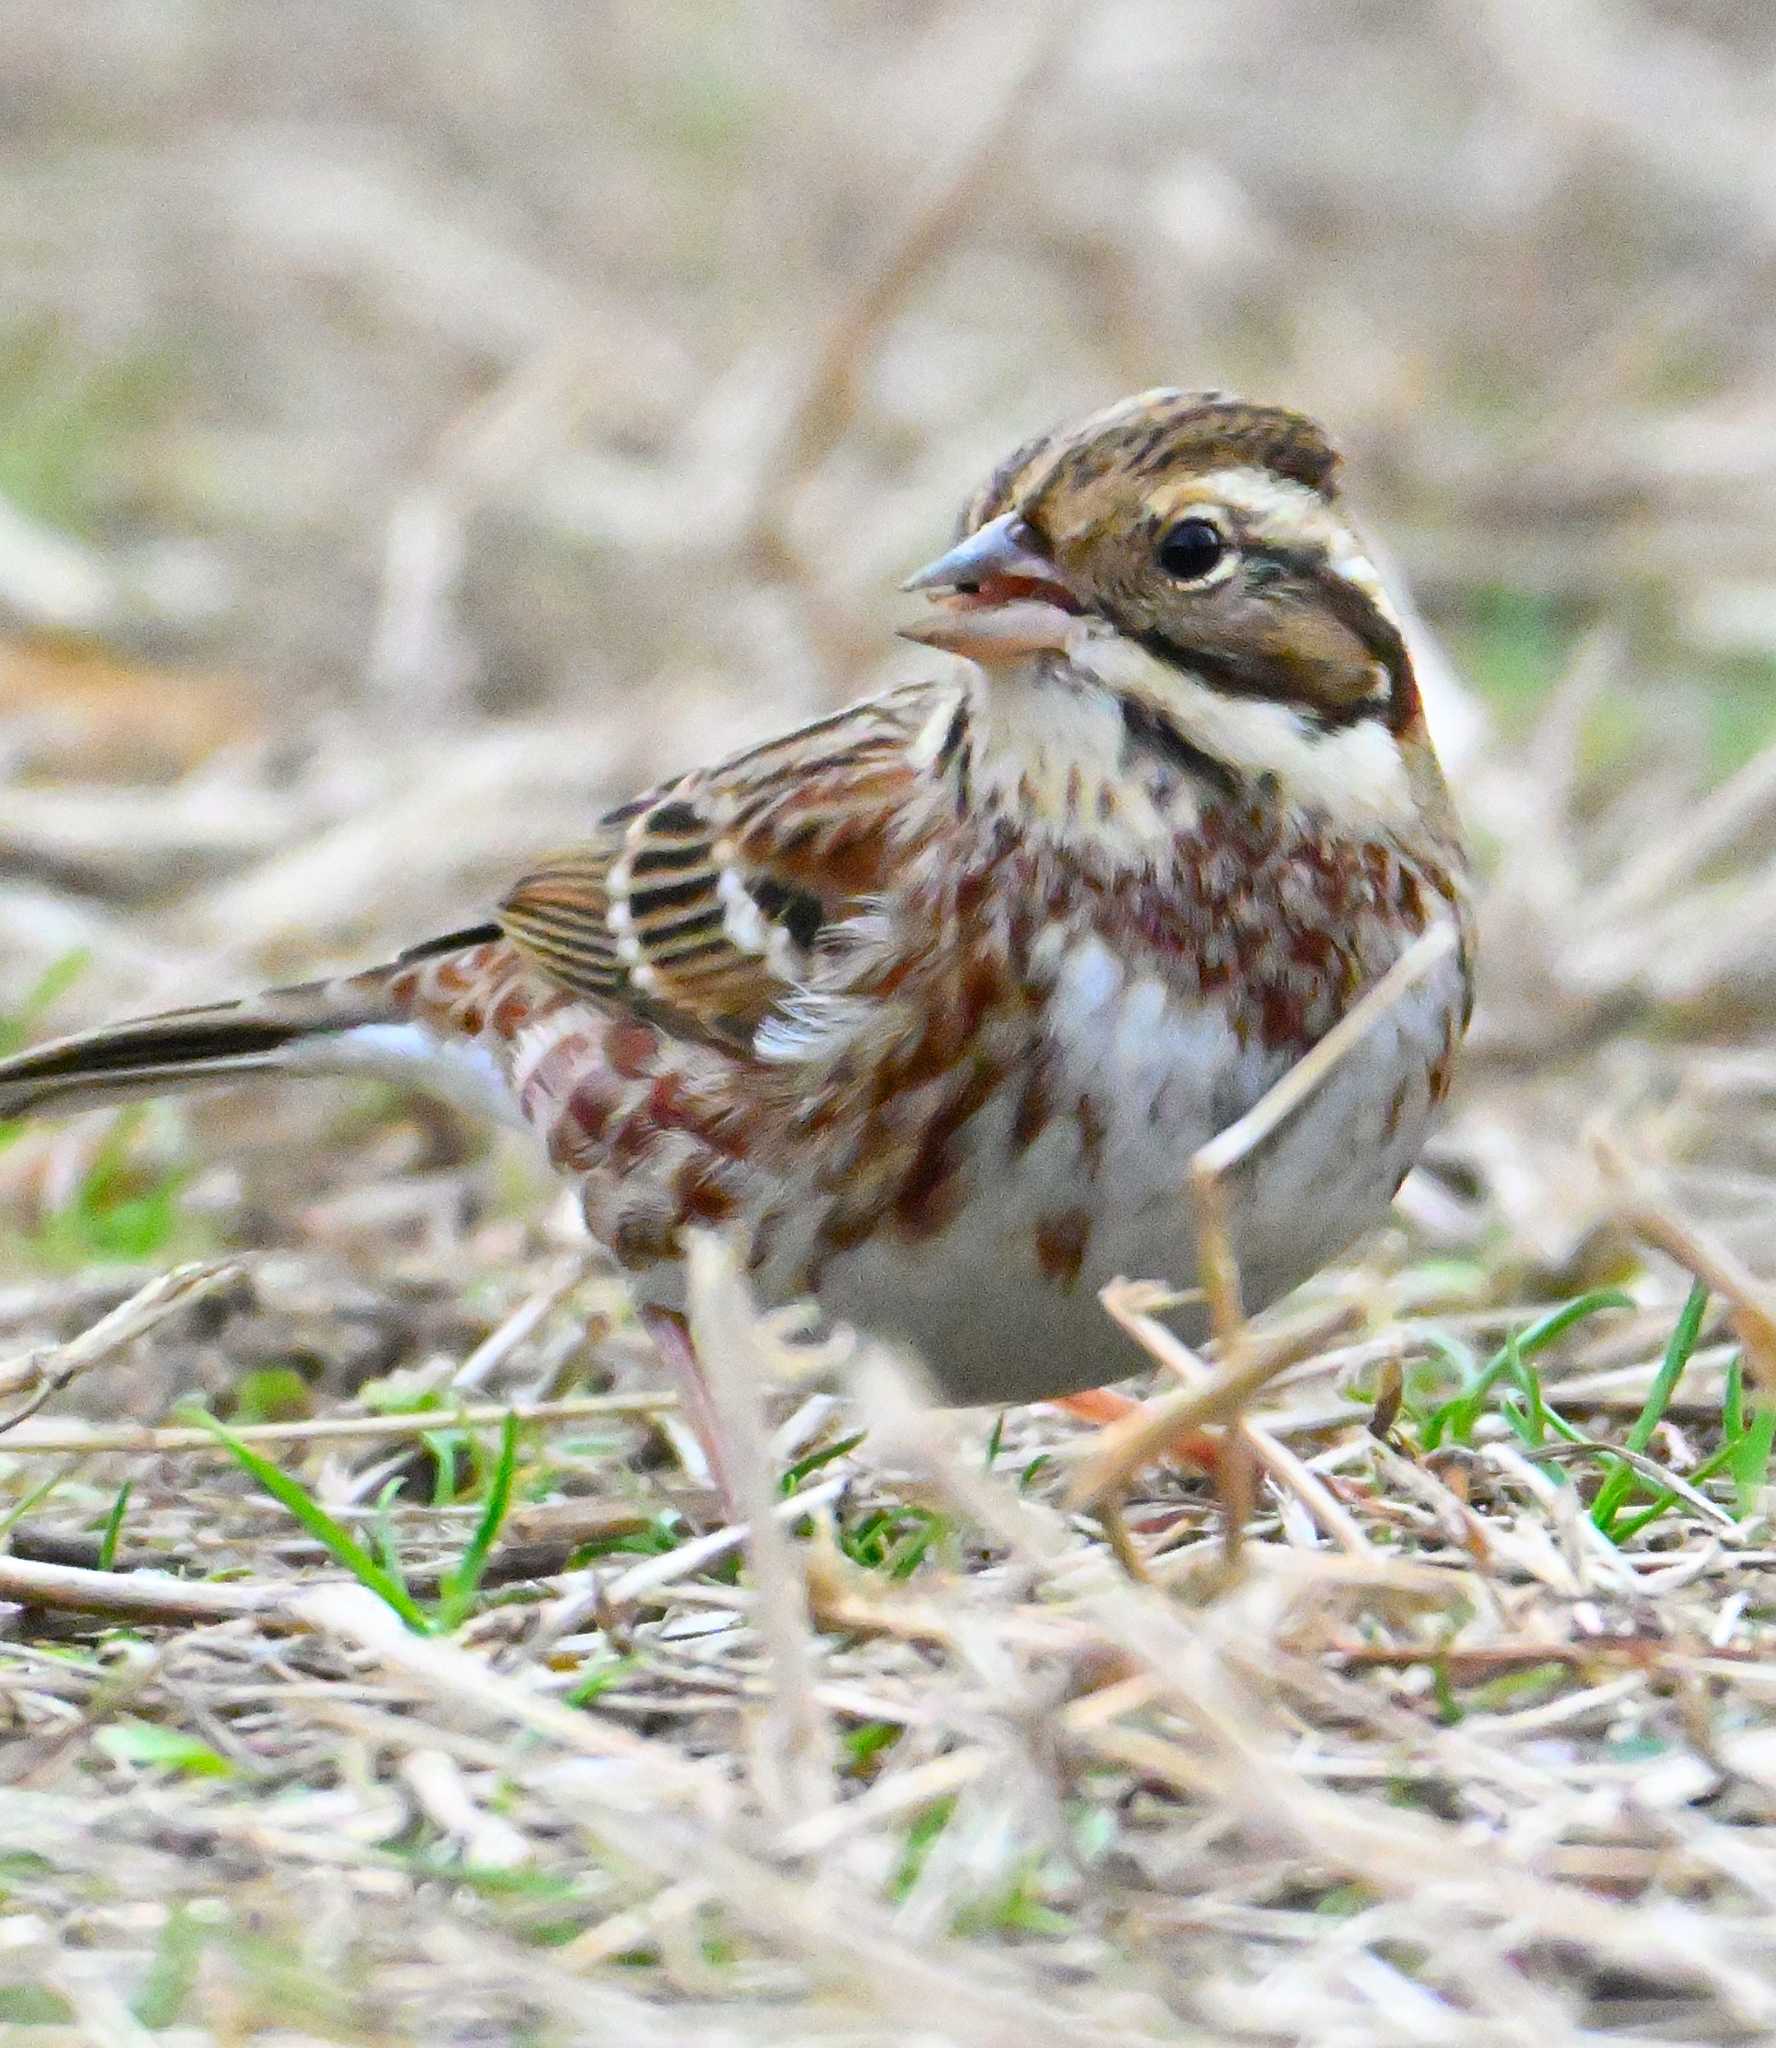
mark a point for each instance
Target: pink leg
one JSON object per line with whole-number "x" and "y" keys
{"x": 672, "y": 1339}
{"x": 1199, "y": 1447}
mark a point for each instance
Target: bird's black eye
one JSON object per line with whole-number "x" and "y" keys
{"x": 1191, "y": 549}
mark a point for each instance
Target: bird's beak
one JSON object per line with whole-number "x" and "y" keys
{"x": 1003, "y": 547}
{"x": 1010, "y": 599}
{"x": 998, "y": 632}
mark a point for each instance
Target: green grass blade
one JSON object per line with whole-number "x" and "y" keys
{"x": 443, "y": 1446}
{"x": 1747, "y": 1434}
{"x": 995, "y": 1440}
{"x": 54, "y": 983}
{"x": 1733, "y": 1421}
{"x": 388, "y": 1549}
{"x": 458, "y": 1593}
{"x": 20, "y": 1508}
{"x": 114, "y": 1527}
{"x": 341, "y": 1545}
{"x": 600, "y": 1678}
{"x": 1621, "y": 1483}
{"x": 1671, "y": 1366}
{"x": 1555, "y": 1324}
{"x": 800, "y": 1470}
{"x": 1716, "y": 1461}
{"x": 1459, "y": 1368}
{"x": 1750, "y": 1460}
{"x": 1520, "y": 1421}
{"x": 1454, "y": 1421}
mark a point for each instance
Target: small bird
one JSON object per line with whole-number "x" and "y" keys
{"x": 933, "y": 1000}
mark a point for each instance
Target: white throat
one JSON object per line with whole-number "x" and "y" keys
{"x": 1353, "y": 776}
{"x": 1051, "y": 744}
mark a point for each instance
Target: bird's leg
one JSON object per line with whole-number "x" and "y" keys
{"x": 1198, "y": 1447}
{"x": 672, "y": 1339}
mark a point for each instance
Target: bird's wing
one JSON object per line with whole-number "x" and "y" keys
{"x": 701, "y": 904}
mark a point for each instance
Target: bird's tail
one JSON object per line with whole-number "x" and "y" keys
{"x": 357, "y": 1021}
{"x": 178, "y": 1049}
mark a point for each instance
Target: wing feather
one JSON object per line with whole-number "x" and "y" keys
{"x": 703, "y": 905}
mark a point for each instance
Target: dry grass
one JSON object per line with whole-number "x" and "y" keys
{"x": 416, "y": 426}
{"x": 1480, "y": 1770}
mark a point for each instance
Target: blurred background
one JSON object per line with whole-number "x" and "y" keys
{"x": 419, "y": 424}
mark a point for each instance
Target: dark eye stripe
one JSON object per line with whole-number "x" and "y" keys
{"x": 1151, "y": 732}
{"x": 1344, "y": 601}
{"x": 1239, "y": 675}
{"x": 1271, "y": 680}
{"x": 1399, "y": 705}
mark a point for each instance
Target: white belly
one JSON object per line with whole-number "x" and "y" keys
{"x": 987, "y": 1302}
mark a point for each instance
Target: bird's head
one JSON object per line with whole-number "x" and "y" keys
{"x": 1188, "y": 555}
